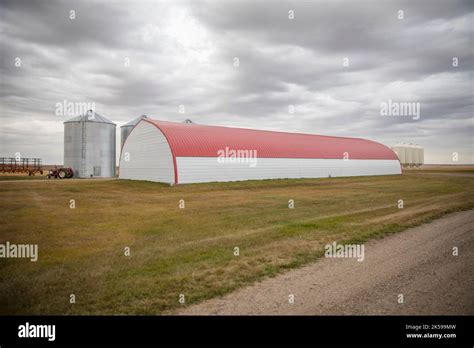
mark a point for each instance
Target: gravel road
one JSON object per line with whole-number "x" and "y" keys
{"x": 417, "y": 263}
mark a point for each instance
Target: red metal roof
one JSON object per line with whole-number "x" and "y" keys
{"x": 193, "y": 140}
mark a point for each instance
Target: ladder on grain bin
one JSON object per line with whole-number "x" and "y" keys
{"x": 83, "y": 150}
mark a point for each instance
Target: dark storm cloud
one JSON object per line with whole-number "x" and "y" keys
{"x": 49, "y": 23}
{"x": 143, "y": 57}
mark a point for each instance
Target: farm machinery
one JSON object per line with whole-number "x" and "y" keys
{"x": 60, "y": 173}
{"x": 31, "y": 166}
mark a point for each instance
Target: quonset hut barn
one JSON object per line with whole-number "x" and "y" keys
{"x": 179, "y": 153}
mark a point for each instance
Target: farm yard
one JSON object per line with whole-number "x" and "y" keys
{"x": 182, "y": 239}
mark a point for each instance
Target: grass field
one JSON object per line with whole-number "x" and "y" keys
{"x": 22, "y": 177}
{"x": 190, "y": 251}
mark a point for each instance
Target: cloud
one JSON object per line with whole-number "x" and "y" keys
{"x": 133, "y": 58}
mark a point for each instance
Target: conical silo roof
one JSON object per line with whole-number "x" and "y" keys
{"x": 133, "y": 122}
{"x": 90, "y": 116}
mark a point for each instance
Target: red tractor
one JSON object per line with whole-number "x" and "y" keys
{"x": 61, "y": 173}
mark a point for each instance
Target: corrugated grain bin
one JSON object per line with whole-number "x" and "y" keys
{"x": 415, "y": 154}
{"x": 127, "y": 128}
{"x": 400, "y": 151}
{"x": 420, "y": 156}
{"x": 409, "y": 154}
{"x": 89, "y": 145}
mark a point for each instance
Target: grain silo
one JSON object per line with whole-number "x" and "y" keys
{"x": 400, "y": 150}
{"x": 414, "y": 150}
{"x": 89, "y": 145}
{"x": 127, "y": 128}
{"x": 420, "y": 156}
{"x": 179, "y": 153}
{"x": 409, "y": 154}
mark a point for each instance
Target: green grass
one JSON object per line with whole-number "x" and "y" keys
{"x": 190, "y": 251}
{"x": 22, "y": 177}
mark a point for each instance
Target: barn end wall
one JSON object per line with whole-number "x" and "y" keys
{"x": 146, "y": 155}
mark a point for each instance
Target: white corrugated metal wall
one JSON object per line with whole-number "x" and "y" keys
{"x": 149, "y": 155}
{"x": 208, "y": 169}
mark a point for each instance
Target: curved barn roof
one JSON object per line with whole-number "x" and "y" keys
{"x": 193, "y": 140}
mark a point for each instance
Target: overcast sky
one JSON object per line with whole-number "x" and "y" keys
{"x": 332, "y": 63}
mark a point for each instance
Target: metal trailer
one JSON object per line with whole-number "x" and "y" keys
{"x": 21, "y": 165}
